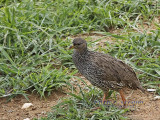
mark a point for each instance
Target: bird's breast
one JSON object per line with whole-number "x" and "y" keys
{"x": 87, "y": 68}
{"x": 81, "y": 63}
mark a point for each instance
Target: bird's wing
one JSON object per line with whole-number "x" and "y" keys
{"x": 115, "y": 70}
{"x": 106, "y": 63}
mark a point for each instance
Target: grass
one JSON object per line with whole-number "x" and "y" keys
{"x": 34, "y": 41}
{"x": 81, "y": 107}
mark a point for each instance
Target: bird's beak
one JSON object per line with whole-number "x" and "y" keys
{"x": 71, "y": 47}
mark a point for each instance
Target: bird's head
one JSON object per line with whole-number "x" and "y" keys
{"x": 79, "y": 44}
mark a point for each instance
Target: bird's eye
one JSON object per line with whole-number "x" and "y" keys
{"x": 77, "y": 43}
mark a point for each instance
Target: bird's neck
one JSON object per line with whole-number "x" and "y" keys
{"x": 82, "y": 51}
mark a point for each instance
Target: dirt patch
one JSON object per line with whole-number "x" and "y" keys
{"x": 12, "y": 110}
{"x": 147, "y": 27}
{"x": 145, "y": 108}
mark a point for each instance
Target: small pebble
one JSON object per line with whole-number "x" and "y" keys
{"x": 26, "y": 119}
{"x": 156, "y": 98}
{"x": 26, "y": 105}
{"x": 151, "y": 90}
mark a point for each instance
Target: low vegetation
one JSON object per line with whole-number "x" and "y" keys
{"x": 35, "y": 36}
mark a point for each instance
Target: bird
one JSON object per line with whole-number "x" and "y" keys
{"x": 103, "y": 70}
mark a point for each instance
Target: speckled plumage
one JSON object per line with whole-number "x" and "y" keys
{"x": 102, "y": 70}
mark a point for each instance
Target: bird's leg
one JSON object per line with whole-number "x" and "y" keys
{"x": 103, "y": 99}
{"x": 104, "y": 96}
{"x": 123, "y": 98}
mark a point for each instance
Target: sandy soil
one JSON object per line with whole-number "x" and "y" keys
{"x": 144, "y": 106}
{"x": 12, "y": 110}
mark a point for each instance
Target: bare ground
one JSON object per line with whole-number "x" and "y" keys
{"x": 148, "y": 109}
{"x": 12, "y": 110}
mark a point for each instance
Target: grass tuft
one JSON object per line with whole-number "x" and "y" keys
{"x": 82, "y": 107}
